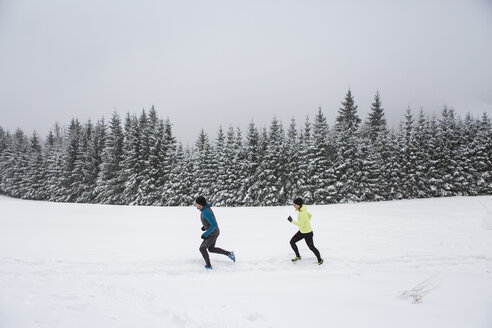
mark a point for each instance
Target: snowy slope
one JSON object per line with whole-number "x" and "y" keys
{"x": 75, "y": 265}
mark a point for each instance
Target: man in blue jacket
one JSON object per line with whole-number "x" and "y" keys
{"x": 211, "y": 233}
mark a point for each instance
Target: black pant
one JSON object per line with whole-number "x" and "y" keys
{"x": 309, "y": 241}
{"x": 209, "y": 244}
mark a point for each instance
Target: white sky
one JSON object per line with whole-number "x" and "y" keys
{"x": 206, "y": 63}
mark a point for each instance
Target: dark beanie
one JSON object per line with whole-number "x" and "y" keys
{"x": 201, "y": 201}
{"x": 298, "y": 201}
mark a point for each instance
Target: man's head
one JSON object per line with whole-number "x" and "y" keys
{"x": 200, "y": 202}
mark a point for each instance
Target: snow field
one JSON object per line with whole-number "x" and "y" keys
{"x": 79, "y": 265}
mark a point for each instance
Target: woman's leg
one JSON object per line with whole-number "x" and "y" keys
{"x": 298, "y": 236}
{"x": 310, "y": 243}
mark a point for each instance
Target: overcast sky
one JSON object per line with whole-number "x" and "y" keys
{"x": 205, "y": 63}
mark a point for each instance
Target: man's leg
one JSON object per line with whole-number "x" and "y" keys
{"x": 203, "y": 249}
{"x": 213, "y": 249}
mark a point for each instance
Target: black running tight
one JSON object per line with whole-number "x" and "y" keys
{"x": 309, "y": 241}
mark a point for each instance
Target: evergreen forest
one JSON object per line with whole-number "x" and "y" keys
{"x": 137, "y": 160}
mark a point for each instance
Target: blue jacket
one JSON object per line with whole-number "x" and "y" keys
{"x": 209, "y": 222}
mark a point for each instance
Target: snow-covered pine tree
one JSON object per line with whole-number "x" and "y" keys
{"x": 305, "y": 163}
{"x": 258, "y": 189}
{"x": 448, "y": 147}
{"x": 12, "y": 161}
{"x": 110, "y": 184}
{"x": 434, "y": 171}
{"x": 99, "y": 142}
{"x": 292, "y": 149}
{"x": 35, "y": 170}
{"x": 408, "y": 152}
{"x": 71, "y": 173}
{"x": 377, "y": 148}
{"x": 232, "y": 168}
{"x": 54, "y": 163}
{"x": 219, "y": 189}
{"x": 470, "y": 130}
{"x": 141, "y": 178}
{"x": 79, "y": 182}
{"x": 239, "y": 168}
{"x": 422, "y": 157}
{"x": 347, "y": 164}
{"x": 369, "y": 171}
{"x": 3, "y": 146}
{"x": 5, "y": 162}
{"x": 131, "y": 163}
{"x": 21, "y": 164}
{"x": 3, "y": 140}
{"x": 153, "y": 166}
{"x": 226, "y": 173}
{"x": 272, "y": 172}
{"x": 323, "y": 177}
{"x": 483, "y": 156}
{"x": 392, "y": 169}
{"x": 348, "y": 118}
{"x": 252, "y": 161}
{"x": 88, "y": 160}
{"x": 179, "y": 191}
{"x": 170, "y": 161}
{"x": 376, "y": 121}
{"x": 204, "y": 168}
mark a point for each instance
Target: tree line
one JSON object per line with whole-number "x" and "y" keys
{"x": 140, "y": 162}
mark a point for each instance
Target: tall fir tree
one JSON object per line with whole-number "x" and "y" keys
{"x": 347, "y": 125}
{"x": 305, "y": 162}
{"x": 483, "y": 155}
{"x": 153, "y": 162}
{"x": 110, "y": 183}
{"x": 71, "y": 174}
{"x": 203, "y": 167}
{"x": 292, "y": 149}
{"x": 170, "y": 161}
{"x": 422, "y": 157}
{"x": 221, "y": 178}
{"x": 54, "y": 163}
{"x": 323, "y": 174}
{"x": 36, "y": 170}
{"x": 348, "y": 118}
{"x": 408, "y": 157}
{"x": 252, "y": 160}
{"x": 232, "y": 169}
{"x": 376, "y": 121}
{"x": 272, "y": 172}
{"x": 131, "y": 160}
{"x": 449, "y": 144}
{"x": 180, "y": 188}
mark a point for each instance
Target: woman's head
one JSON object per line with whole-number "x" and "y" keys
{"x": 298, "y": 202}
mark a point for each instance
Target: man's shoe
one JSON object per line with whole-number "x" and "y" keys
{"x": 232, "y": 257}
{"x": 320, "y": 262}
{"x": 295, "y": 259}
{"x": 208, "y": 267}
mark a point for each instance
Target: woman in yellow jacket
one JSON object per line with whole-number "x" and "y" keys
{"x": 305, "y": 231}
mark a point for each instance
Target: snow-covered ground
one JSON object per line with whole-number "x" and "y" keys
{"x": 76, "y": 265}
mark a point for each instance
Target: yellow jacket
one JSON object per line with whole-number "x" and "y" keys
{"x": 303, "y": 220}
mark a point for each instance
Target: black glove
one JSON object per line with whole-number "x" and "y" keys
{"x": 203, "y": 229}
{"x": 289, "y": 218}
{"x": 204, "y": 237}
